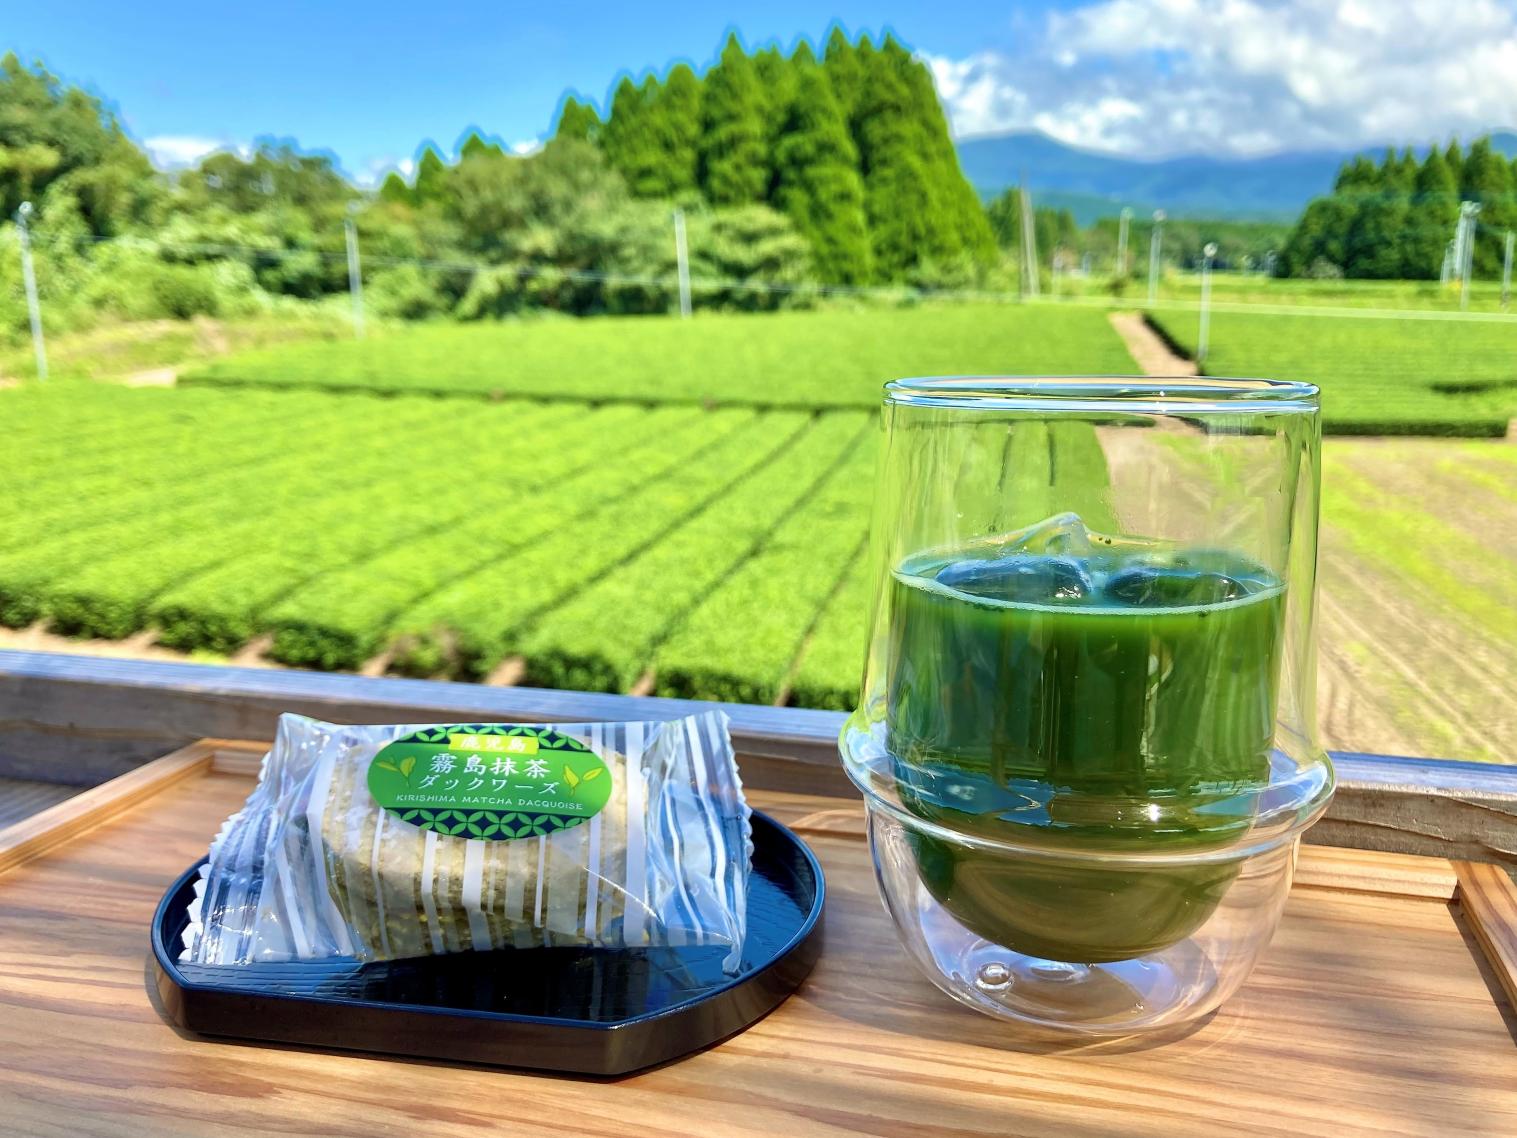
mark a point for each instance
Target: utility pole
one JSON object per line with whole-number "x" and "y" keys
{"x": 1204, "y": 334}
{"x": 29, "y": 278}
{"x": 1122, "y": 266}
{"x": 355, "y": 271}
{"x": 1506, "y": 271}
{"x": 682, "y": 264}
{"x": 1155, "y": 242}
{"x": 1029, "y": 244}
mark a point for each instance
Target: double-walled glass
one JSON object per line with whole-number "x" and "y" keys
{"x": 1087, "y": 733}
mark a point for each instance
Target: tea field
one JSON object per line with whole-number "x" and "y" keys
{"x": 682, "y": 508}
{"x": 1378, "y": 375}
{"x": 832, "y": 358}
{"x": 712, "y": 554}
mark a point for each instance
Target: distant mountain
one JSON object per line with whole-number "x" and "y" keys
{"x": 1272, "y": 187}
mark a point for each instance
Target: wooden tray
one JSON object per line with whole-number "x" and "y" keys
{"x": 1380, "y": 1007}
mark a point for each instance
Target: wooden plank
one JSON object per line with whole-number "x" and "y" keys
{"x": 1489, "y": 899}
{"x": 35, "y": 835}
{"x": 1370, "y": 871}
{"x": 1368, "y": 1015}
{"x": 1426, "y": 807}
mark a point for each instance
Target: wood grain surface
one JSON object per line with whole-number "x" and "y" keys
{"x": 1489, "y": 899}
{"x": 1372, "y": 1013}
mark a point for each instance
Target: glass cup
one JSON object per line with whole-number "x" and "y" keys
{"x": 1086, "y": 738}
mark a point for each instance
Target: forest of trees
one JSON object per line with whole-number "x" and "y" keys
{"x": 830, "y": 166}
{"x": 792, "y": 170}
{"x": 1394, "y": 220}
{"x": 852, "y": 148}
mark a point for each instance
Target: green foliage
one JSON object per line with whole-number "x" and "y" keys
{"x": 1394, "y": 220}
{"x": 754, "y": 244}
{"x": 1486, "y": 178}
{"x": 52, "y": 136}
{"x": 577, "y": 121}
{"x": 734, "y": 161}
{"x": 431, "y": 185}
{"x": 678, "y": 130}
{"x": 394, "y": 189}
{"x": 629, "y": 137}
{"x": 817, "y": 183}
{"x": 1432, "y": 214}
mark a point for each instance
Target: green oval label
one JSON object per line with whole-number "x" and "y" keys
{"x": 494, "y": 781}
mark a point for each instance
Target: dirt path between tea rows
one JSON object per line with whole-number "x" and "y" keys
{"x": 1149, "y": 349}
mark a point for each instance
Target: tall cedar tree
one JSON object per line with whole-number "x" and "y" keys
{"x": 394, "y": 189}
{"x": 734, "y": 161}
{"x": 679, "y": 130}
{"x": 1431, "y": 219}
{"x": 578, "y": 120}
{"x": 1375, "y": 240}
{"x": 474, "y": 146}
{"x": 1487, "y": 179}
{"x": 817, "y": 180}
{"x": 898, "y": 179}
{"x": 431, "y": 178}
{"x": 630, "y": 137}
{"x": 777, "y": 80}
{"x": 841, "y": 63}
{"x": 1455, "y": 159}
{"x": 962, "y": 224}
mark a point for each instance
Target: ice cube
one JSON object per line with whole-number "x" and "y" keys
{"x": 1062, "y": 534}
{"x": 1172, "y": 586}
{"x": 1023, "y": 577}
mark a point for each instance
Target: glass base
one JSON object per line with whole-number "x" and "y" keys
{"x": 1149, "y": 992}
{"x": 1185, "y": 979}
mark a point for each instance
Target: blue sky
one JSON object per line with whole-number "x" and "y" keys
{"x": 370, "y": 80}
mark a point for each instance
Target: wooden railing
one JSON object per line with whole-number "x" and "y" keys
{"x": 76, "y": 719}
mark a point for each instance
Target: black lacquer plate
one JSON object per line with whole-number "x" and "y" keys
{"x": 576, "y": 1010}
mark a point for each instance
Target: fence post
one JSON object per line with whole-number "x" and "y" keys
{"x": 682, "y": 264}
{"x": 1204, "y": 334}
{"x": 1126, "y": 217}
{"x": 355, "y": 272}
{"x": 1030, "y": 283}
{"x": 1467, "y": 214}
{"x": 1154, "y": 244}
{"x": 29, "y": 278}
{"x": 1506, "y": 271}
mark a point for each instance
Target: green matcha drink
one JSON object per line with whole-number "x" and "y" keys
{"x": 1069, "y": 692}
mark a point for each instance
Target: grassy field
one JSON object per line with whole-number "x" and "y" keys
{"x": 1379, "y": 376}
{"x": 803, "y": 359}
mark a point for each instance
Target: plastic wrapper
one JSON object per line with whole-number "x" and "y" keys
{"x": 313, "y": 866}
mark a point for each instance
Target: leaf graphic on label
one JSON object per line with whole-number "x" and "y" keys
{"x": 571, "y": 778}
{"x": 407, "y": 765}
{"x": 386, "y": 764}
{"x": 596, "y": 773}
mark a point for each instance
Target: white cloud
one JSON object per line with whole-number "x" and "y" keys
{"x": 1161, "y": 76}
{"x": 169, "y": 151}
{"x": 527, "y": 146}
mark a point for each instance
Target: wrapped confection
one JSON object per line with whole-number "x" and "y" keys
{"x": 383, "y": 842}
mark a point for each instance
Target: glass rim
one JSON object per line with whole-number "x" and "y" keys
{"x": 1178, "y": 394}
